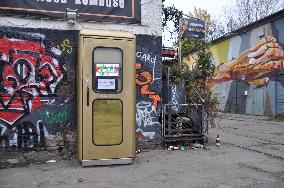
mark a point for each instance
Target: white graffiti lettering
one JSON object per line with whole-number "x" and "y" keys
{"x": 25, "y": 134}
{"x": 102, "y": 3}
{"x": 146, "y": 115}
{"x": 175, "y": 98}
{"x": 147, "y": 58}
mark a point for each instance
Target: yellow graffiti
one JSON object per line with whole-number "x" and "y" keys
{"x": 220, "y": 52}
{"x": 65, "y": 46}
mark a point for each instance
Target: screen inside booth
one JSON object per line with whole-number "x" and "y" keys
{"x": 107, "y": 70}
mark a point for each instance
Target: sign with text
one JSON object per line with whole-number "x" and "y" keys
{"x": 192, "y": 28}
{"x": 106, "y": 84}
{"x": 123, "y": 11}
{"x": 107, "y": 69}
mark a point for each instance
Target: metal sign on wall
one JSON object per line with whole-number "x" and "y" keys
{"x": 125, "y": 11}
{"x": 192, "y": 28}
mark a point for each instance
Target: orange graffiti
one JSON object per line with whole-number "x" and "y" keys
{"x": 253, "y": 64}
{"x": 144, "y": 79}
{"x": 155, "y": 100}
{"x": 138, "y": 66}
{"x": 145, "y": 90}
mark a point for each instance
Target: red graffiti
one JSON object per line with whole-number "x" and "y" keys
{"x": 27, "y": 73}
{"x": 144, "y": 79}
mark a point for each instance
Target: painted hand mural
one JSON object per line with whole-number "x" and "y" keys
{"x": 254, "y": 64}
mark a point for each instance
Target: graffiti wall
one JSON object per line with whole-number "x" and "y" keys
{"x": 38, "y": 91}
{"x": 37, "y": 87}
{"x": 148, "y": 81}
{"x": 250, "y": 77}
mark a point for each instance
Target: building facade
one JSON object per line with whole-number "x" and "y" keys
{"x": 38, "y": 57}
{"x": 249, "y": 77}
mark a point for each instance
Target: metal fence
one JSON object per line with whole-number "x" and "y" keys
{"x": 184, "y": 122}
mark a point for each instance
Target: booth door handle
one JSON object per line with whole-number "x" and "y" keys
{"x": 88, "y": 95}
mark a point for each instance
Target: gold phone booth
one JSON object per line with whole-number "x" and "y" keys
{"x": 106, "y": 97}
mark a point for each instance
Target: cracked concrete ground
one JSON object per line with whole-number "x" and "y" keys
{"x": 251, "y": 155}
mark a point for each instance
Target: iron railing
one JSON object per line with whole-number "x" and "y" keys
{"x": 184, "y": 122}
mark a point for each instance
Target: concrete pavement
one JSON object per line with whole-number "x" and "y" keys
{"x": 256, "y": 133}
{"x": 250, "y": 155}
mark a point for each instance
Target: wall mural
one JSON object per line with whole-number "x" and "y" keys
{"x": 250, "y": 77}
{"x": 254, "y": 64}
{"x": 148, "y": 81}
{"x": 35, "y": 89}
{"x": 38, "y": 91}
{"x": 27, "y": 74}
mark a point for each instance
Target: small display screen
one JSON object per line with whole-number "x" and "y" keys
{"x": 107, "y": 70}
{"x": 106, "y": 84}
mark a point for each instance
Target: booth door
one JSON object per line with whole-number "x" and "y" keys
{"x": 108, "y": 111}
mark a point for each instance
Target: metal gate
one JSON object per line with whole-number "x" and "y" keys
{"x": 190, "y": 122}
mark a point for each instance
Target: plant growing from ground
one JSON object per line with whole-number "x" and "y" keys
{"x": 196, "y": 81}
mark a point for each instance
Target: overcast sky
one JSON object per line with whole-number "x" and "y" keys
{"x": 214, "y": 7}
